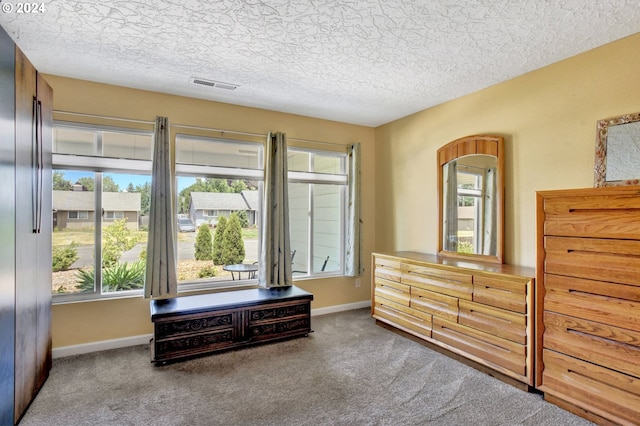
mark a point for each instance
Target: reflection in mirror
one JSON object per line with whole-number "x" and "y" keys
{"x": 470, "y": 198}
{"x": 469, "y": 190}
{"x": 618, "y": 151}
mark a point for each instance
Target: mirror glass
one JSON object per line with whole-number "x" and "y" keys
{"x": 470, "y": 176}
{"x": 617, "y": 159}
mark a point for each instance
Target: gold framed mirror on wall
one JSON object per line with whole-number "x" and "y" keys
{"x": 471, "y": 198}
{"x": 618, "y": 151}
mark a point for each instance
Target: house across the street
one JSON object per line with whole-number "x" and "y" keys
{"x": 207, "y": 207}
{"x": 76, "y": 209}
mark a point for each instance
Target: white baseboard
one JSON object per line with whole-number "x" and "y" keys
{"x": 104, "y": 345}
{"x": 341, "y": 308}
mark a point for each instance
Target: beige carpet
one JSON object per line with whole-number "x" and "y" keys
{"x": 348, "y": 372}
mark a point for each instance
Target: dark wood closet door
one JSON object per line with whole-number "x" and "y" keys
{"x": 33, "y": 233}
{"x": 43, "y": 249}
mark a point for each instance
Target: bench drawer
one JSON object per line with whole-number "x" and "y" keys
{"x": 202, "y": 323}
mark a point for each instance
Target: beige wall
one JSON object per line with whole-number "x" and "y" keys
{"x": 85, "y": 322}
{"x": 548, "y": 118}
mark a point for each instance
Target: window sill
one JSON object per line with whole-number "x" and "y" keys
{"x": 62, "y": 299}
{"x": 183, "y": 289}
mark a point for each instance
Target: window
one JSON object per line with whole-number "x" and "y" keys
{"x": 75, "y": 214}
{"x": 114, "y": 215}
{"x": 317, "y": 210}
{"x": 101, "y": 197}
{"x": 219, "y": 181}
{"x": 101, "y": 179}
{"x": 470, "y": 208}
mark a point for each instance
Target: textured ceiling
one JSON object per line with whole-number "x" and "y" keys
{"x": 358, "y": 61}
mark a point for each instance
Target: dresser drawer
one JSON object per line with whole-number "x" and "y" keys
{"x": 506, "y": 324}
{"x": 510, "y": 294}
{"x": 436, "y": 304}
{"x": 599, "y": 301}
{"x": 501, "y": 352}
{"x": 393, "y": 291}
{"x": 595, "y": 216}
{"x": 403, "y": 317}
{"x": 387, "y": 268}
{"x": 438, "y": 280}
{"x": 597, "y": 259}
{"x": 603, "y": 391}
{"x": 194, "y": 323}
{"x": 614, "y": 347}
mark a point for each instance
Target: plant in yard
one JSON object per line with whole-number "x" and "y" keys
{"x": 208, "y": 271}
{"x": 204, "y": 245}
{"x": 117, "y": 239}
{"x": 118, "y": 277}
{"x": 233, "y": 245}
{"x": 63, "y": 257}
{"x": 465, "y": 247}
{"x": 218, "y": 245}
{"x": 244, "y": 220}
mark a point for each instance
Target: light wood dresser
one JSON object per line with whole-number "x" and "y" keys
{"x": 588, "y": 334}
{"x": 480, "y": 311}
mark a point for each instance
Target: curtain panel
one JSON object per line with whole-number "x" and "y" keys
{"x": 450, "y": 198}
{"x": 490, "y": 240}
{"x": 353, "y": 261}
{"x": 161, "y": 278}
{"x": 274, "y": 268}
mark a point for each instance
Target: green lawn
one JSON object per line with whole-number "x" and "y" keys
{"x": 86, "y": 236}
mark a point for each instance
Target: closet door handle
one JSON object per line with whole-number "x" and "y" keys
{"x": 35, "y": 166}
{"x": 40, "y": 167}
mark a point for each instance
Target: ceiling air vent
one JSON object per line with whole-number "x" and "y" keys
{"x": 212, "y": 83}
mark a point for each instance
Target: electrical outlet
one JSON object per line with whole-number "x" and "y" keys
{"x": 357, "y": 282}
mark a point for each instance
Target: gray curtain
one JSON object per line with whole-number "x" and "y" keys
{"x": 161, "y": 279}
{"x": 353, "y": 264}
{"x": 450, "y": 214}
{"x": 489, "y": 241}
{"x": 274, "y": 268}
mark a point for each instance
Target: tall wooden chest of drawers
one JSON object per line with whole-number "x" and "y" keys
{"x": 207, "y": 323}
{"x": 588, "y": 337}
{"x": 481, "y": 311}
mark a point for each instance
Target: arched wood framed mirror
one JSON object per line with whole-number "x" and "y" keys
{"x": 471, "y": 198}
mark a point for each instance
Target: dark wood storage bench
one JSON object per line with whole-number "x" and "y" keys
{"x": 207, "y": 323}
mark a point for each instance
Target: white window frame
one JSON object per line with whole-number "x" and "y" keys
{"x": 98, "y": 166}
{"x": 312, "y": 178}
{"x": 220, "y": 172}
